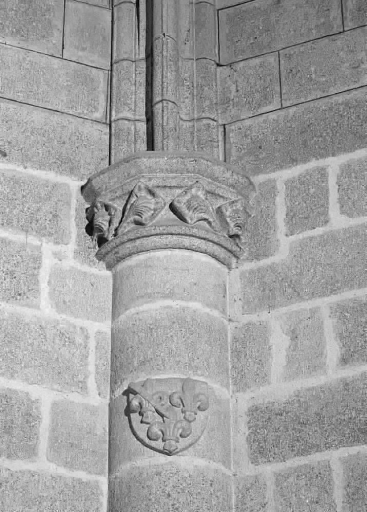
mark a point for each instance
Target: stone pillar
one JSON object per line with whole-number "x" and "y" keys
{"x": 169, "y": 227}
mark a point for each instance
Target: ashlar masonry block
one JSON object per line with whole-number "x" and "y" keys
{"x": 355, "y": 474}
{"x": 352, "y": 188}
{"x": 355, "y": 13}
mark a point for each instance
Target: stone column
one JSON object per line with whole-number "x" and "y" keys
{"x": 168, "y": 226}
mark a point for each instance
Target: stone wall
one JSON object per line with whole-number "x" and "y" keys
{"x": 293, "y": 99}
{"x": 54, "y": 299}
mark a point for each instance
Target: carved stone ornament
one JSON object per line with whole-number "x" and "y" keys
{"x": 176, "y": 201}
{"x": 168, "y": 415}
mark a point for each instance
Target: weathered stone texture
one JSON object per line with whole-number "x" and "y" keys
{"x": 187, "y": 490}
{"x": 78, "y": 436}
{"x": 355, "y": 13}
{"x": 20, "y": 265}
{"x": 20, "y": 420}
{"x": 100, "y": 3}
{"x": 141, "y": 345}
{"x": 35, "y": 206}
{"x": 297, "y": 135}
{"x": 323, "y": 67}
{"x": 352, "y": 188}
{"x": 316, "y": 267}
{"x": 127, "y": 137}
{"x": 205, "y": 31}
{"x": 307, "y": 201}
{"x": 305, "y": 488}
{"x": 45, "y": 352}
{"x": 103, "y": 360}
{"x": 251, "y": 494}
{"x": 312, "y": 420}
{"x": 260, "y": 237}
{"x": 250, "y": 356}
{"x": 51, "y": 141}
{"x": 350, "y": 328}
{"x": 80, "y": 294}
{"x": 125, "y": 31}
{"x": 260, "y": 27}
{"x": 57, "y": 84}
{"x": 169, "y": 275}
{"x": 248, "y": 88}
{"x": 28, "y": 491}
{"x": 300, "y": 334}
{"x": 355, "y": 490}
{"x": 87, "y": 36}
{"x": 36, "y": 25}
{"x": 202, "y": 135}
{"x": 128, "y": 90}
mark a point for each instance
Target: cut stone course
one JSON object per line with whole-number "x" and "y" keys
{"x": 103, "y": 363}
{"x": 87, "y": 36}
{"x": 315, "y": 267}
{"x": 127, "y": 137}
{"x": 248, "y": 88}
{"x": 20, "y": 420}
{"x": 57, "y": 84}
{"x": 251, "y": 494}
{"x": 169, "y": 275}
{"x": 305, "y": 488}
{"x": 20, "y": 265}
{"x": 36, "y": 25}
{"x": 42, "y": 207}
{"x": 147, "y": 347}
{"x": 355, "y": 13}
{"x": 51, "y": 141}
{"x": 49, "y": 353}
{"x": 128, "y": 90}
{"x": 250, "y": 356}
{"x": 307, "y": 201}
{"x": 259, "y": 27}
{"x": 81, "y": 294}
{"x": 28, "y": 491}
{"x": 350, "y": 328}
{"x": 352, "y": 188}
{"x": 311, "y": 420}
{"x": 78, "y": 436}
{"x": 205, "y": 31}
{"x": 355, "y": 474}
{"x": 125, "y": 31}
{"x": 297, "y": 135}
{"x": 184, "y": 489}
{"x": 324, "y": 67}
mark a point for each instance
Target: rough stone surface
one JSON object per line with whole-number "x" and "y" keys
{"x": 169, "y": 275}
{"x": 57, "y": 84}
{"x": 324, "y": 67}
{"x": 103, "y": 361}
{"x": 312, "y": 420}
{"x": 355, "y": 491}
{"x": 206, "y": 89}
{"x": 80, "y": 294}
{"x": 316, "y": 267}
{"x": 260, "y": 27}
{"x": 184, "y": 490}
{"x": 87, "y": 36}
{"x": 205, "y": 31}
{"x": 305, "y": 488}
{"x": 214, "y": 445}
{"x": 100, "y": 3}
{"x": 20, "y": 265}
{"x": 260, "y": 238}
{"x": 163, "y": 341}
{"x": 128, "y": 90}
{"x": 300, "y": 336}
{"x": 200, "y": 135}
{"x": 248, "y": 88}
{"x": 45, "y": 352}
{"x": 127, "y": 137}
{"x": 37, "y": 25}
{"x": 297, "y": 135}
{"x": 352, "y": 188}
{"x": 125, "y": 31}
{"x": 35, "y": 206}
{"x": 251, "y": 494}
{"x": 250, "y": 356}
{"x": 307, "y": 201}
{"x": 28, "y": 491}
{"x": 78, "y": 436}
{"x": 20, "y": 420}
{"x": 51, "y": 141}
{"x": 350, "y": 328}
{"x": 355, "y": 13}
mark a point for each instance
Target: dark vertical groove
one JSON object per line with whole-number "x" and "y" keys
{"x": 63, "y": 31}
{"x": 280, "y": 82}
{"x": 149, "y": 76}
{"x": 342, "y": 10}
{"x": 110, "y": 83}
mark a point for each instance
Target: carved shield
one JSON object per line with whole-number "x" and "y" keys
{"x": 168, "y": 415}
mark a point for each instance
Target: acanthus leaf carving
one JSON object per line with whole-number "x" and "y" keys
{"x": 104, "y": 218}
{"x": 170, "y": 415}
{"x": 233, "y": 216}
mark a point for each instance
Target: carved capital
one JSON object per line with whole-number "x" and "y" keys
{"x": 168, "y": 201}
{"x": 168, "y": 415}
